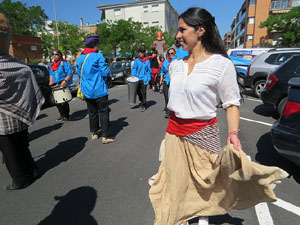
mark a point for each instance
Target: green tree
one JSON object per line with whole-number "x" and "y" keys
{"x": 23, "y": 19}
{"x": 288, "y": 24}
{"x": 47, "y": 44}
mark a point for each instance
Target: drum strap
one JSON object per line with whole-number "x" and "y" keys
{"x": 82, "y": 67}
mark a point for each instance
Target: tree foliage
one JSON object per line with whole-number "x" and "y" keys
{"x": 288, "y": 24}
{"x": 127, "y": 36}
{"x": 71, "y": 38}
{"x": 23, "y": 19}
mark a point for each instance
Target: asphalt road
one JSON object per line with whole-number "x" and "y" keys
{"x": 87, "y": 183}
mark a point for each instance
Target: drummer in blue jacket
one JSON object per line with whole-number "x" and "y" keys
{"x": 60, "y": 73}
{"x": 93, "y": 72}
{"x": 142, "y": 70}
{"x": 166, "y": 78}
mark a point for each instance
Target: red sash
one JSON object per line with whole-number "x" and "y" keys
{"x": 183, "y": 127}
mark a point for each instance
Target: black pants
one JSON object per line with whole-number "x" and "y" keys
{"x": 99, "y": 107}
{"x": 64, "y": 109}
{"x": 166, "y": 95}
{"x": 18, "y": 159}
{"x": 141, "y": 92}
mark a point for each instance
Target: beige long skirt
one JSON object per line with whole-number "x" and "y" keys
{"x": 193, "y": 182}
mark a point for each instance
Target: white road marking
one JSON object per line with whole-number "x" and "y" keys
{"x": 287, "y": 206}
{"x": 253, "y": 99}
{"x": 263, "y": 214}
{"x": 256, "y": 121}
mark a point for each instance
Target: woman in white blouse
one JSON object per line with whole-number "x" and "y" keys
{"x": 192, "y": 179}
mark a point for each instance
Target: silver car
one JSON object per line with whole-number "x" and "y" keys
{"x": 264, "y": 64}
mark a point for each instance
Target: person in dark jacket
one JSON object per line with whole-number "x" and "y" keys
{"x": 60, "y": 74}
{"x": 142, "y": 70}
{"x": 94, "y": 71}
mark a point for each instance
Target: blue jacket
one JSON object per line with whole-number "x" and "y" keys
{"x": 60, "y": 74}
{"x": 142, "y": 70}
{"x": 94, "y": 72}
{"x": 180, "y": 54}
{"x": 165, "y": 71}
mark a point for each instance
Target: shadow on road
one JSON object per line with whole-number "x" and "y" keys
{"x": 222, "y": 219}
{"x": 78, "y": 115}
{"x": 150, "y": 103}
{"x": 112, "y": 101}
{"x": 267, "y": 111}
{"x": 64, "y": 151}
{"x": 43, "y": 131}
{"x": 41, "y": 116}
{"x": 117, "y": 125}
{"x": 267, "y": 155}
{"x": 73, "y": 208}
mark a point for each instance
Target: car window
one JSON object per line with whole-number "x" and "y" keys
{"x": 74, "y": 70}
{"x": 115, "y": 65}
{"x": 282, "y": 58}
{"x": 297, "y": 71}
{"x": 271, "y": 59}
{"x": 38, "y": 72}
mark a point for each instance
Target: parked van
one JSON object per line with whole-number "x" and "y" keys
{"x": 246, "y": 53}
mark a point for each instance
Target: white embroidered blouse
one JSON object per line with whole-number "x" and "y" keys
{"x": 196, "y": 96}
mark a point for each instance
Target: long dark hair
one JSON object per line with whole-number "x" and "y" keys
{"x": 211, "y": 39}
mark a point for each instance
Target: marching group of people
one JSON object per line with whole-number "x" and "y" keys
{"x": 196, "y": 178}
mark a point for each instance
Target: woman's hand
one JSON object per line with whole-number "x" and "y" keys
{"x": 233, "y": 139}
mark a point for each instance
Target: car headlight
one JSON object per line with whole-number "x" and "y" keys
{"x": 117, "y": 75}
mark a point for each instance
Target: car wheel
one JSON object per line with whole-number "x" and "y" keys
{"x": 281, "y": 105}
{"x": 258, "y": 87}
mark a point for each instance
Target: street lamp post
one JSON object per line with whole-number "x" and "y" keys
{"x": 57, "y": 33}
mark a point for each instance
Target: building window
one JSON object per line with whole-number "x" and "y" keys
{"x": 146, "y": 23}
{"x": 155, "y": 22}
{"x": 117, "y": 12}
{"x": 154, "y": 8}
{"x": 145, "y": 9}
{"x": 252, "y": 2}
{"x": 251, "y": 20}
{"x": 249, "y": 37}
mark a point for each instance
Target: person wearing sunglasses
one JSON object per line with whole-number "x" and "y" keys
{"x": 60, "y": 73}
{"x": 166, "y": 79}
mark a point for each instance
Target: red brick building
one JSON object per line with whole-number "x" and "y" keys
{"x": 25, "y": 46}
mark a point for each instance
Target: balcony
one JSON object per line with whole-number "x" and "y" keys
{"x": 283, "y": 6}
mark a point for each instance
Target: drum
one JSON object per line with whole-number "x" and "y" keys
{"x": 61, "y": 94}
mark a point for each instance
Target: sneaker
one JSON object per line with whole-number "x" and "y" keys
{"x": 143, "y": 109}
{"x": 64, "y": 119}
{"x": 59, "y": 119}
{"x": 106, "y": 140}
{"x": 203, "y": 220}
{"x": 95, "y": 136}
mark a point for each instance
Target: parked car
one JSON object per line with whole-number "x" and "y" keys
{"x": 241, "y": 66}
{"x": 119, "y": 71}
{"x": 276, "y": 90}
{"x": 264, "y": 64}
{"x": 41, "y": 74}
{"x": 74, "y": 81}
{"x": 286, "y": 131}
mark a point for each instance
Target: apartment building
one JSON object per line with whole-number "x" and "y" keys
{"x": 148, "y": 12}
{"x": 245, "y": 31}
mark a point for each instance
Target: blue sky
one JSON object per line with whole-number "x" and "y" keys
{"x": 72, "y": 10}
